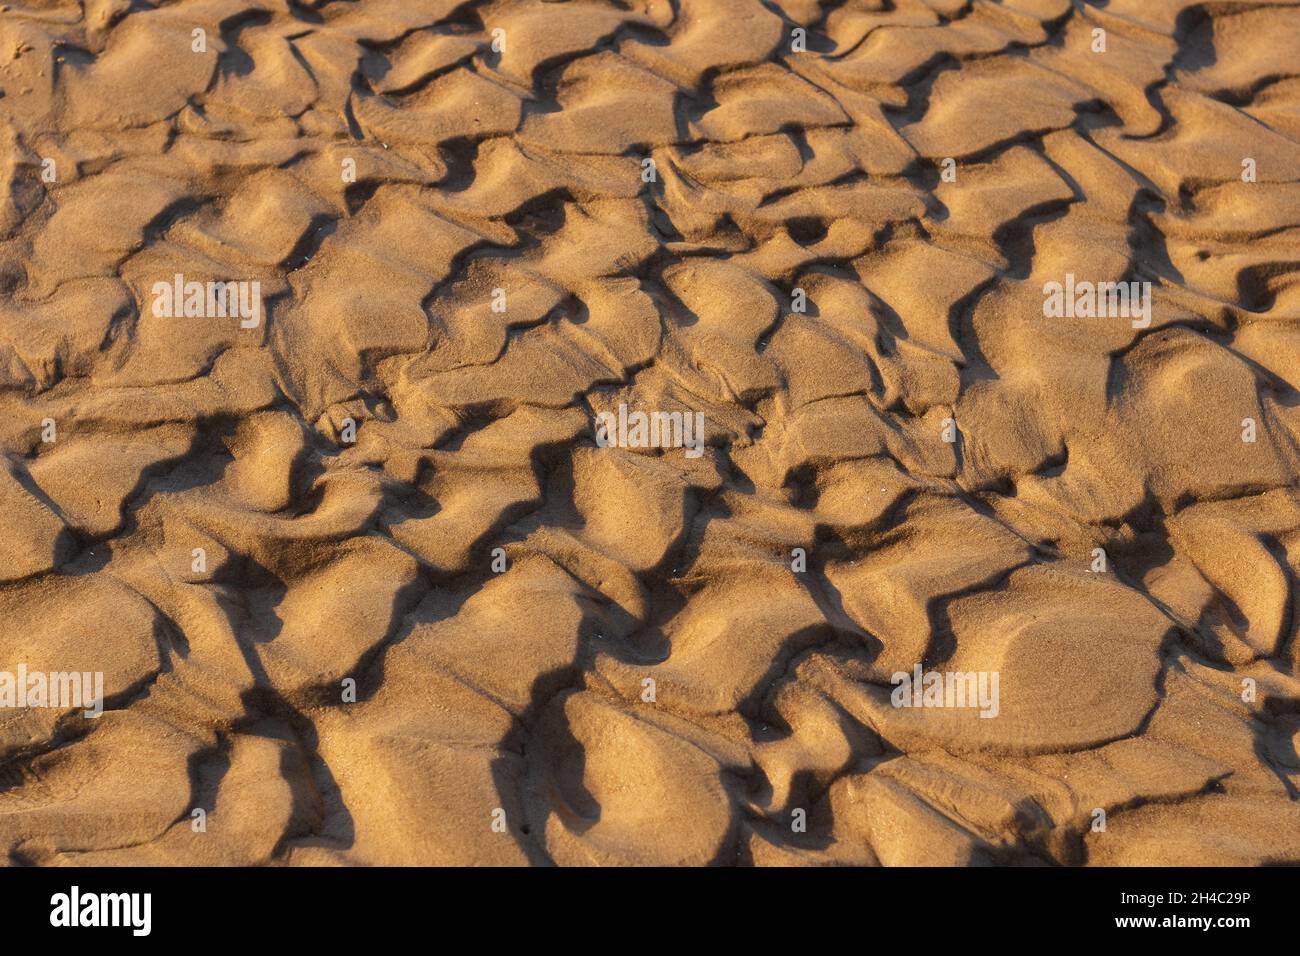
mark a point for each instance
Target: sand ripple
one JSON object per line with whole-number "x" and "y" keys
{"x": 616, "y": 654}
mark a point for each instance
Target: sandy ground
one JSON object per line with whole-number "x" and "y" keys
{"x": 370, "y": 577}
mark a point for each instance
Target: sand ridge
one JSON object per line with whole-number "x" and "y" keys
{"x": 366, "y": 582}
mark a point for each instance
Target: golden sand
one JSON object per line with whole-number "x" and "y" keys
{"x": 324, "y": 332}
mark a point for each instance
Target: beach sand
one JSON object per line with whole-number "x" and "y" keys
{"x": 377, "y": 557}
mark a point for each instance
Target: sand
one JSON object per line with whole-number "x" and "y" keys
{"x": 379, "y": 561}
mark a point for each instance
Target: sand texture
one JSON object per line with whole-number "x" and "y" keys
{"x": 365, "y": 579}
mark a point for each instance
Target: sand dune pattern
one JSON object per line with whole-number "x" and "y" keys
{"x": 364, "y": 587}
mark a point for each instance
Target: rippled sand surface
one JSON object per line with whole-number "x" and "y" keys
{"x": 367, "y": 581}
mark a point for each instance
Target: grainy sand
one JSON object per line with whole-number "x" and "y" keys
{"x": 365, "y": 583}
